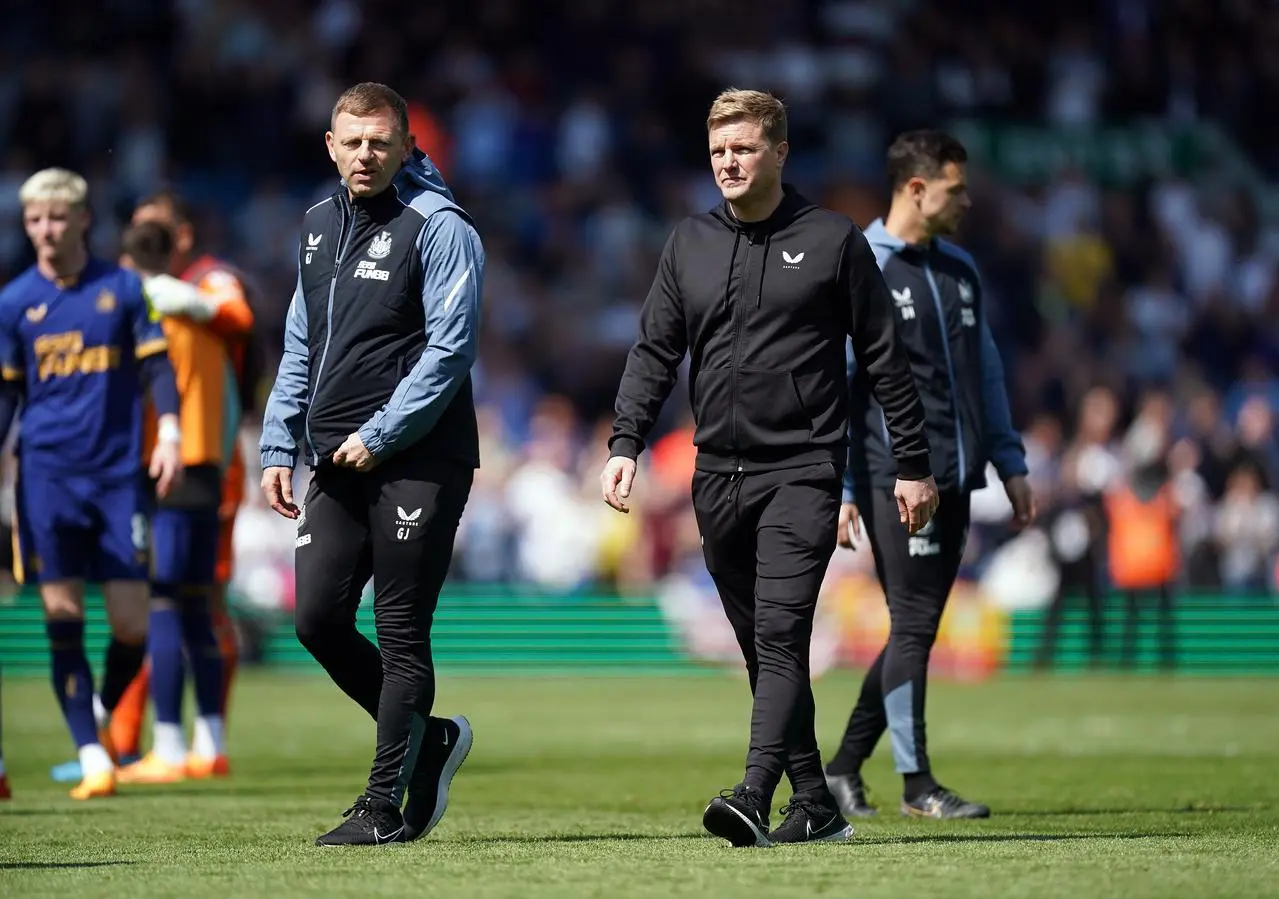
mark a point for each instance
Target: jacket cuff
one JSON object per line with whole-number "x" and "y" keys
{"x": 914, "y": 468}
{"x": 1012, "y": 468}
{"x": 372, "y": 440}
{"x": 626, "y": 447}
{"x": 278, "y": 458}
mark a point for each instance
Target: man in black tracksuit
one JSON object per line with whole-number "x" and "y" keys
{"x": 762, "y": 294}
{"x": 938, "y": 303}
{"x": 374, "y": 386}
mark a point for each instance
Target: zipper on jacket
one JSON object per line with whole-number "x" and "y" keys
{"x": 739, "y": 313}
{"x": 763, "y": 270}
{"x": 343, "y": 237}
{"x": 950, "y": 373}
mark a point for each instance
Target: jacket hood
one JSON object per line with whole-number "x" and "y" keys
{"x": 794, "y": 205}
{"x": 421, "y": 172}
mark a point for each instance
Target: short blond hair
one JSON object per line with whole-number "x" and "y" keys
{"x": 54, "y": 186}
{"x": 753, "y": 106}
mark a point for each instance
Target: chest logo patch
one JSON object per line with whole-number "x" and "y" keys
{"x": 380, "y": 246}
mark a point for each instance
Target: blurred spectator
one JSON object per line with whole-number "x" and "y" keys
{"x": 1136, "y": 256}
{"x": 1247, "y": 531}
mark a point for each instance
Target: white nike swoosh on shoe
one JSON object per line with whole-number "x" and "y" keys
{"x": 761, "y": 839}
{"x": 840, "y": 835}
{"x": 390, "y": 837}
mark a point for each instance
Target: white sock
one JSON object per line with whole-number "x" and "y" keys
{"x": 169, "y": 744}
{"x": 100, "y": 711}
{"x": 94, "y": 760}
{"x": 207, "y": 740}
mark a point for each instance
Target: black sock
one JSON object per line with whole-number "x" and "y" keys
{"x": 917, "y": 784}
{"x": 123, "y": 662}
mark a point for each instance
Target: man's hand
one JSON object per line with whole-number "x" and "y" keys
{"x": 850, "y": 526}
{"x": 277, "y": 484}
{"x": 1023, "y": 500}
{"x": 916, "y": 502}
{"x": 616, "y": 480}
{"x": 352, "y": 454}
{"x": 166, "y": 466}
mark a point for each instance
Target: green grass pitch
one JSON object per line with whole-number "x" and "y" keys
{"x": 1139, "y": 787}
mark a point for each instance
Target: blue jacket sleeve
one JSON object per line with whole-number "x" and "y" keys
{"x": 284, "y": 418}
{"x": 850, "y": 367}
{"x": 1004, "y": 447}
{"x": 156, "y": 372}
{"x": 453, "y": 280}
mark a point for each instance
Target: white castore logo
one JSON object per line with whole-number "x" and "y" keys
{"x": 792, "y": 261}
{"x": 405, "y": 522}
{"x": 380, "y": 246}
{"x": 905, "y": 302}
{"x": 965, "y": 292}
{"x": 312, "y": 244}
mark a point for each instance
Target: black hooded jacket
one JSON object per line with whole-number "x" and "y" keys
{"x": 764, "y": 310}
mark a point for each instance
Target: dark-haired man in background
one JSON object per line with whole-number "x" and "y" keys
{"x": 937, "y": 296}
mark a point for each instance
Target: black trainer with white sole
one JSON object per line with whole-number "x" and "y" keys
{"x": 369, "y": 822}
{"x": 445, "y": 743}
{"x": 739, "y": 815}
{"x": 812, "y": 819}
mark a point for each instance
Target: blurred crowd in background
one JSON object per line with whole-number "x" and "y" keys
{"x": 1131, "y": 286}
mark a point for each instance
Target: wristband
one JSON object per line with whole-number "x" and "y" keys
{"x": 169, "y": 432}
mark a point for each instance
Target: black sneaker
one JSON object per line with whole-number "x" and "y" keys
{"x": 810, "y": 819}
{"x": 850, "y": 793}
{"x": 940, "y": 802}
{"x": 739, "y": 815}
{"x": 443, "y": 747}
{"x": 370, "y": 822}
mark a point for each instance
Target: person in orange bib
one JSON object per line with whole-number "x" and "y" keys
{"x": 1142, "y": 515}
